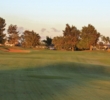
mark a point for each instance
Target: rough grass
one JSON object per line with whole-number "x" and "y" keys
{"x": 55, "y": 75}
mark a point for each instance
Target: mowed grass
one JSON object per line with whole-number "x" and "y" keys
{"x": 55, "y": 75}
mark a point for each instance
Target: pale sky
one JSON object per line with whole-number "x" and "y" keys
{"x": 49, "y": 17}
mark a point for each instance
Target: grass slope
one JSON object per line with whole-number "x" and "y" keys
{"x": 55, "y": 75}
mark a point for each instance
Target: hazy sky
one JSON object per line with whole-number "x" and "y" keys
{"x": 49, "y": 17}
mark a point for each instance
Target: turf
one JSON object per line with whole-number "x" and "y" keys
{"x": 55, "y": 75}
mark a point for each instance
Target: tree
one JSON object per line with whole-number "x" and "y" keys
{"x": 30, "y": 39}
{"x": 71, "y": 36}
{"x": 13, "y": 34}
{"x": 69, "y": 39}
{"x": 105, "y": 39}
{"x": 58, "y": 42}
{"x": 88, "y": 37}
{"x": 2, "y": 29}
{"x": 48, "y": 41}
{"x": 100, "y": 45}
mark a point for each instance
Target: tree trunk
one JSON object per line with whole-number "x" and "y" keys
{"x": 91, "y": 48}
{"x": 72, "y": 48}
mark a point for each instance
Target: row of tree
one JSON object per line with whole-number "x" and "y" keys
{"x": 72, "y": 39}
{"x": 25, "y": 39}
{"x": 85, "y": 39}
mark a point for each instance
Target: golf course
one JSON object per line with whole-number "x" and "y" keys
{"x": 55, "y": 75}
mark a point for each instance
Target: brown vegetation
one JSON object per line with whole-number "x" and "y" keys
{"x": 108, "y": 50}
{"x": 19, "y": 50}
{"x": 14, "y": 49}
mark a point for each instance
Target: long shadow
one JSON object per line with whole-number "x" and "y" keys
{"x": 57, "y": 81}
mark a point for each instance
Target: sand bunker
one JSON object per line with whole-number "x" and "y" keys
{"x": 19, "y": 50}
{"x": 108, "y": 50}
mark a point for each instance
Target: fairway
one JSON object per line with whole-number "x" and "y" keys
{"x": 55, "y": 75}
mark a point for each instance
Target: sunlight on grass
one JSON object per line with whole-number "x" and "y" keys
{"x": 55, "y": 75}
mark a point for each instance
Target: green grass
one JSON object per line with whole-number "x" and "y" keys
{"x": 55, "y": 75}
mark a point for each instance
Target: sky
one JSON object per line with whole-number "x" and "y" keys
{"x": 49, "y": 17}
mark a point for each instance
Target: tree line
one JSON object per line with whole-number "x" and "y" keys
{"x": 72, "y": 38}
{"x": 25, "y": 39}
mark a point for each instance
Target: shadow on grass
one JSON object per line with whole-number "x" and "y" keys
{"x": 73, "y": 67}
{"x": 57, "y": 81}
{"x": 48, "y": 77}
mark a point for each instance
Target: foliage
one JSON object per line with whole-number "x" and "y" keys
{"x": 88, "y": 37}
{"x": 69, "y": 39}
{"x": 105, "y": 39}
{"x": 71, "y": 35}
{"x": 58, "y": 42}
{"x": 30, "y": 39}
{"x": 48, "y": 41}
{"x": 2, "y": 29}
{"x": 13, "y": 34}
{"x": 72, "y": 39}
